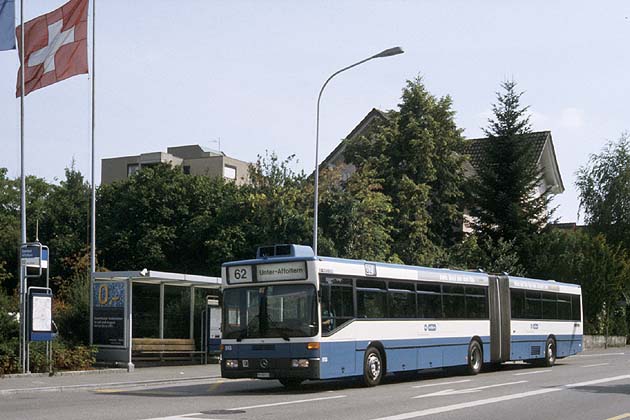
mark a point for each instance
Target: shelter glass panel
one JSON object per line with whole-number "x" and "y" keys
{"x": 146, "y": 310}
{"x": 176, "y": 312}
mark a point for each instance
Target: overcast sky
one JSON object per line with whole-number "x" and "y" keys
{"x": 248, "y": 73}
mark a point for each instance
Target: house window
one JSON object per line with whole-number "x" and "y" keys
{"x": 132, "y": 168}
{"x": 229, "y": 172}
{"x": 187, "y": 169}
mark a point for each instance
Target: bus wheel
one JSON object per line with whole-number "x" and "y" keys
{"x": 475, "y": 358}
{"x": 550, "y": 352}
{"x": 372, "y": 367}
{"x": 291, "y": 383}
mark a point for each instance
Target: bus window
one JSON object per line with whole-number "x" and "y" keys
{"x": 429, "y": 301}
{"x": 533, "y": 305}
{"x": 476, "y": 302}
{"x": 453, "y": 301}
{"x": 371, "y": 299}
{"x": 341, "y": 303}
{"x": 575, "y": 308}
{"x": 517, "y": 302}
{"x": 564, "y": 307}
{"x": 549, "y": 305}
{"x": 402, "y": 304}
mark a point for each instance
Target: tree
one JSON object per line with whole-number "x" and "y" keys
{"x": 282, "y": 202}
{"x": 355, "y": 215}
{"x": 505, "y": 204}
{"x": 604, "y": 185}
{"x": 601, "y": 268}
{"x": 37, "y": 193}
{"x": 416, "y": 155}
{"x": 64, "y": 224}
{"x": 144, "y": 221}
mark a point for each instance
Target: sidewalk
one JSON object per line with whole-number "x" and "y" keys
{"x": 107, "y": 378}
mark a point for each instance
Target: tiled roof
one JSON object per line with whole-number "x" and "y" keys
{"x": 474, "y": 147}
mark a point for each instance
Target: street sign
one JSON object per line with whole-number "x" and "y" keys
{"x": 31, "y": 255}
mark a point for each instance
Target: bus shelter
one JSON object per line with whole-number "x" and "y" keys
{"x": 139, "y": 315}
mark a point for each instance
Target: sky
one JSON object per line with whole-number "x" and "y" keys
{"x": 247, "y": 74}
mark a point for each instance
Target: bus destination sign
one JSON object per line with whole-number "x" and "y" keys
{"x": 295, "y": 270}
{"x": 240, "y": 274}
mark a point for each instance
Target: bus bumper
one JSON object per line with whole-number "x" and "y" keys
{"x": 264, "y": 368}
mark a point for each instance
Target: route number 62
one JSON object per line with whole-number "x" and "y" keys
{"x": 240, "y": 274}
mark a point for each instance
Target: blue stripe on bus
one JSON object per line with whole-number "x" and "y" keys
{"x": 342, "y": 359}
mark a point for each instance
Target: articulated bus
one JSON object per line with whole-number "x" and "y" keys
{"x": 290, "y": 315}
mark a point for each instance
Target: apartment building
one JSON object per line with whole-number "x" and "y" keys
{"x": 193, "y": 159}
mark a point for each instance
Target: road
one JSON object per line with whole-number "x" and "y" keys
{"x": 591, "y": 386}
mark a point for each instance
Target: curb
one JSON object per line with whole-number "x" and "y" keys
{"x": 64, "y": 373}
{"x": 65, "y": 388}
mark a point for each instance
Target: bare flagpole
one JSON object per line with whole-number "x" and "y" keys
{"x": 93, "y": 205}
{"x": 93, "y": 199}
{"x": 23, "y": 197}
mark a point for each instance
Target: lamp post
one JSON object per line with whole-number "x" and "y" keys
{"x": 385, "y": 53}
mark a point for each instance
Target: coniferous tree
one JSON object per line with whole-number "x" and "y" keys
{"x": 416, "y": 155}
{"x": 506, "y": 203}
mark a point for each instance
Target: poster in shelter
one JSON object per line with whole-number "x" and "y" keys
{"x": 108, "y": 320}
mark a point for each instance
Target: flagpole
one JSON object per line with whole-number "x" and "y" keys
{"x": 23, "y": 198}
{"x": 93, "y": 205}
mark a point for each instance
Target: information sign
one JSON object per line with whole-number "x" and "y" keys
{"x": 108, "y": 316}
{"x": 294, "y": 270}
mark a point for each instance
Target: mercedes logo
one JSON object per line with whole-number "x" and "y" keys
{"x": 264, "y": 363}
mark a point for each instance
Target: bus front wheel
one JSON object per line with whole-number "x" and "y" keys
{"x": 372, "y": 367}
{"x": 475, "y": 358}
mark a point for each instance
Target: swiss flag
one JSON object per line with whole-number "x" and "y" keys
{"x": 56, "y": 46}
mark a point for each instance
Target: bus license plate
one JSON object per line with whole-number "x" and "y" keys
{"x": 263, "y": 375}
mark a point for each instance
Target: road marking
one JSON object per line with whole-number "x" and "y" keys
{"x": 532, "y": 373}
{"x": 460, "y": 406}
{"x": 599, "y": 354}
{"x": 597, "y": 364}
{"x": 194, "y": 416}
{"x": 442, "y": 383}
{"x": 288, "y": 402}
{"x": 465, "y": 391}
{"x": 619, "y": 417}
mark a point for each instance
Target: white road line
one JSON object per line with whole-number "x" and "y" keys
{"x": 442, "y": 383}
{"x": 597, "y": 364}
{"x": 190, "y": 416}
{"x": 288, "y": 402}
{"x": 597, "y": 381}
{"x": 532, "y": 373}
{"x": 446, "y": 392}
{"x": 599, "y": 355}
{"x": 200, "y": 416}
{"x": 453, "y": 407}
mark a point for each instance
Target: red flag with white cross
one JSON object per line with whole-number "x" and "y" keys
{"x": 56, "y": 46}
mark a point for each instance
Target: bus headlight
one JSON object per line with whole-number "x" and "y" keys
{"x": 231, "y": 364}
{"x": 299, "y": 363}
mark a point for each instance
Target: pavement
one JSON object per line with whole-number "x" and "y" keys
{"x": 111, "y": 378}
{"x": 594, "y": 385}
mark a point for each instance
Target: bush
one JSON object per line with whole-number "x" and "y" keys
{"x": 72, "y": 310}
{"x": 9, "y": 334}
{"x": 64, "y": 357}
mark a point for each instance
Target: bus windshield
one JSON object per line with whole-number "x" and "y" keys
{"x": 279, "y": 311}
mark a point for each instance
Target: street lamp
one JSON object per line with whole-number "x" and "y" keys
{"x": 385, "y": 53}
